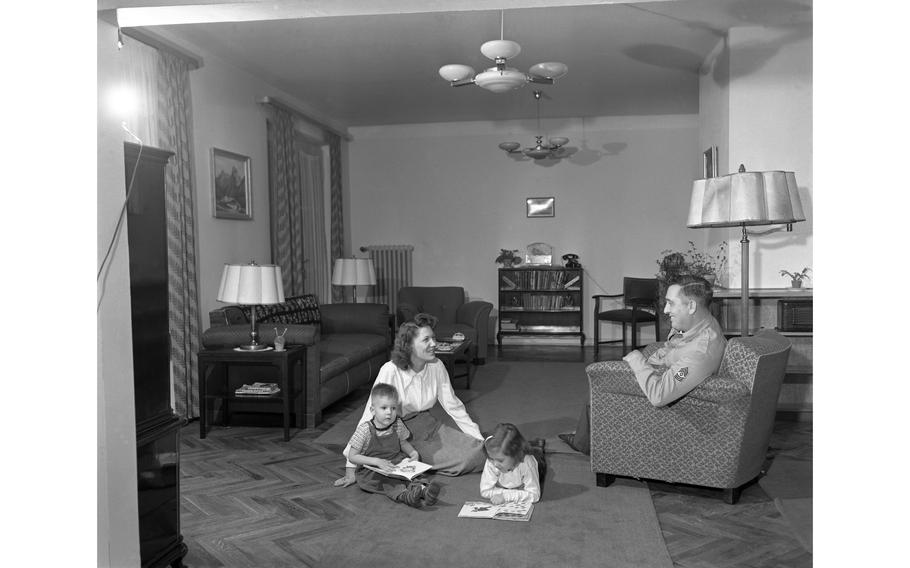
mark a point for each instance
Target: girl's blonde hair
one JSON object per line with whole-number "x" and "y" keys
{"x": 507, "y": 440}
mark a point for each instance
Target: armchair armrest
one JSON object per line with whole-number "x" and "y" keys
{"x": 720, "y": 390}
{"x": 475, "y": 313}
{"x": 239, "y": 334}
{"x": 612, "y": 377}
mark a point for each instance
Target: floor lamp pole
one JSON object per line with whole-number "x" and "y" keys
{"x": 744, "y": 285}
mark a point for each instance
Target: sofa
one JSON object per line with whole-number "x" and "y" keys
{"x": 448, "y": 304}
{"x": 715, "y": 436}
{"x": 346, "y": 344}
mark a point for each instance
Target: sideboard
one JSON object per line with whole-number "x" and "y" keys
{"x": 789, "y": 311}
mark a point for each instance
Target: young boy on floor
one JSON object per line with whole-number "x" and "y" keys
{"x": 382, "y": 442}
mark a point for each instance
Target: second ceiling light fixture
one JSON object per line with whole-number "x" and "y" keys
{"x": 500, "y": 78}
{"x": 553, "y": 148}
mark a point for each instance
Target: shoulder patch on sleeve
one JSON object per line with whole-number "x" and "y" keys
{"x": 681, "y": 374}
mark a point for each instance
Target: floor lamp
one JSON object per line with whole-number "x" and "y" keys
{"x": 354, "y": 272}
{"x": 251, "y": 285}
{"x": 741, "y": 200}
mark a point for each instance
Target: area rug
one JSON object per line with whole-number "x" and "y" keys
{"x": 576, "y": 523}
{"x": 789, "y": 483}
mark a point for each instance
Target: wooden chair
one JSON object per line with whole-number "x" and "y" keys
{"x": 639, "y": 295}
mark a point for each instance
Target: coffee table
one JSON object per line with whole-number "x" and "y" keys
{"x": 461, "y": 353}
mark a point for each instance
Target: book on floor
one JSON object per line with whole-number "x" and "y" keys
{"x": 405, "y": 469}
{"x": 504, "y": 512}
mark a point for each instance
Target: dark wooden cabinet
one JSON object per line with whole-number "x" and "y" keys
{"x": 157, "y": 427}
{"x": 540, "y": 300}
{"x": 789, "y": 311}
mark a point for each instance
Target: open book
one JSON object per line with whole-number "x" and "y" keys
{"x": 405, "y": 469}
{"x": 505, "y": 512}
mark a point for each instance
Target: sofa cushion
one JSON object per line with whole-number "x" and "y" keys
{"x": 339, "y": 352}
{"x": 296, "y": 309}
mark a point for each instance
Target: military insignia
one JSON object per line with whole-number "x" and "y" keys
{"x": 681, "y": 374}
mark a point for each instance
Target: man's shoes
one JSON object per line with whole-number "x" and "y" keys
{"x": 539, "y": 443}
{"x": 570, "y": 440}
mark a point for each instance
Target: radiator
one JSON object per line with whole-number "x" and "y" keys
{"x": 394, "y": 270}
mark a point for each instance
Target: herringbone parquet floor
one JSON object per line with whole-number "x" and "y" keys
{"x": 249, "y": 499}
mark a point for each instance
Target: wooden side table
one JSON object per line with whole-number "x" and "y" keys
{"x": 462, "y": 352}
{"x": 214, "y": 363}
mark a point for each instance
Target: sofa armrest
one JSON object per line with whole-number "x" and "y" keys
{"x": 228, "y": 315}
{"x": 239, "y": 334}
{"x": 355, "y": 318}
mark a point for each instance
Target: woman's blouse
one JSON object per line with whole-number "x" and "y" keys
{"x": 520, "y": 484}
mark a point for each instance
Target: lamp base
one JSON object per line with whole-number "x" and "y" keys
{"x": 253, "y": 347}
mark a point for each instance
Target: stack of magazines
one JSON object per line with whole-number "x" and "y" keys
{"x": 259, "y": 388}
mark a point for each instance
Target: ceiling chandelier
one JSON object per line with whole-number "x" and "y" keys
{"x": 552, "y": 149}
{"x": 500, "y": 78}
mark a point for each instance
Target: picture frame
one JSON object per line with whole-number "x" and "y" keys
{"x": 710, "y": 162}
{"x": 541, "y": 206}
{"x": 232, "y": 196}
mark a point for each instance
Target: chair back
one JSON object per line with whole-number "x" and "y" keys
{"x": 440, "y": 301}
{"x": 640, "y": 292}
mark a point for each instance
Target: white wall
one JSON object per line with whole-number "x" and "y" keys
{"x": 756, "y": 105}
{"x": 449, "y": 191}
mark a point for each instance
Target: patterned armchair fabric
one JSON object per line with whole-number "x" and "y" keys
{"x": 715, "y": 436}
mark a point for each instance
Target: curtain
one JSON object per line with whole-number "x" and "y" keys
{"x": 317, "y": 277}
{"x": 337, "y": 214}
{"x": 137, "y": 97}
{"x": 174, "y": 132}
{"x": 285, "y": 201}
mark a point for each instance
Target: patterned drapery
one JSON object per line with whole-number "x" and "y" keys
{"x": 174, "y": 133}
{"x": 315, "y": 252}
{"x": 337, "y": 213}
{"x": 285, "y": 206}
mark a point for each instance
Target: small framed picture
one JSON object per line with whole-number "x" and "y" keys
{"x": 710, "y": 159}
{"x": 231, "y": 193}
{"x": 541, "y": 206}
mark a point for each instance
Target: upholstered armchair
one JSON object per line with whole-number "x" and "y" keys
{"x": 715, "y": 436}
{"x": 448, "y": 304}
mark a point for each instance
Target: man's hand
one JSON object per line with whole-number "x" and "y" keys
{"x": 634, "y": 357}
{"x": 347, "y": 479}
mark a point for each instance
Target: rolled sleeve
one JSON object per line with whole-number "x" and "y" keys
{"x": 663, "y": 385}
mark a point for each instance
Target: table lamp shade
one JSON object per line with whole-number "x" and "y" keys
{"x": 745, "y": 198}
{"x": 251, "y": 284}
{"x": 354, "y": 272}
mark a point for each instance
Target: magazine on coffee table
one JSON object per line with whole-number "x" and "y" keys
{"x": 405, "y": 469}
{"x": 504, "y": 512}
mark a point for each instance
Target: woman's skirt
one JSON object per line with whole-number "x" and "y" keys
{"x": 449, "y": 450}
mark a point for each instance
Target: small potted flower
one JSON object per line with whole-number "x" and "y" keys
{"x": 507, "y": 258}
{"x": 796, "y": 278}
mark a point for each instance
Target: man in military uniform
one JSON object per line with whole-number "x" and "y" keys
{"x": 690, "y": 355}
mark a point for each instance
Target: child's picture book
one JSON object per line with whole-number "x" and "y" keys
{"x": 504, "y": 512}
{"x": 405, "y": 469}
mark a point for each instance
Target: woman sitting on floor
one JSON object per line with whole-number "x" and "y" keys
{"x": 422, "y": 381}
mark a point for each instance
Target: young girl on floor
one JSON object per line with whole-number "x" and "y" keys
{"x": 511, "y": 473}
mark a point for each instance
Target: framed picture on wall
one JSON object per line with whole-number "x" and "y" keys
{"x": 541, "y": 206}
{"x": 710, "y": 159}
{"x": 232, "y": 196}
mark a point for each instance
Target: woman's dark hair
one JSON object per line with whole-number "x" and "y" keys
{"x": 507, "y": 440}
{"x": 404, "y": 339}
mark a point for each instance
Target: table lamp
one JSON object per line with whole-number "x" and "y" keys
{"x": 251, "y": 285}
{"x": 354, "y": 272}
{"x": 745, "y": 199}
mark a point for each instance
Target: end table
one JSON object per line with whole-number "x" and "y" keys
{"x": 214, "y": 363}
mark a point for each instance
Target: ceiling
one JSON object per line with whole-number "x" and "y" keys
{"x": 372, "y": 62}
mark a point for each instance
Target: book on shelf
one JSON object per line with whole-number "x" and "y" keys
{"x": 504, "y": 512}
{"x": 259, "y": 388}
{"x": 405, "y": 469}
{"x": 572, "y": 281}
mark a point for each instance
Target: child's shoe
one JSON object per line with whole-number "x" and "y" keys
{"x": 430, "y": 493}
{"x": 413, "y": 495}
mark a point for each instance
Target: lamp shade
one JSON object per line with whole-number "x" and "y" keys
{"x": 251, "y": 284}
{"x": 353, "y": 272}
{"x": 745, "y": 198}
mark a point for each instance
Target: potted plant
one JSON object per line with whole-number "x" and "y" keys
{"x": 796, "y": 278}
{"x": 508, "y": 258}
{"x": 692, "y": 261}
